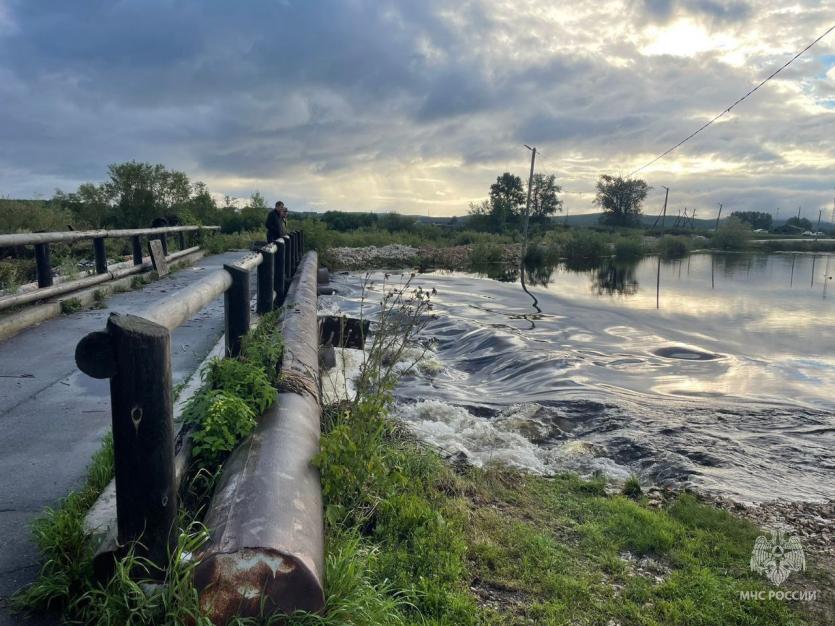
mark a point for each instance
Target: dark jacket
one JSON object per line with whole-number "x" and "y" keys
{"x": 276, "y": 226}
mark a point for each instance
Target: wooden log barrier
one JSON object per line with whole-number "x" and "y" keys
{"x": 267, "y": 535}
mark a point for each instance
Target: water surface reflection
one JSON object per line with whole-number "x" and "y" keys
{"x": 726, "y": 385}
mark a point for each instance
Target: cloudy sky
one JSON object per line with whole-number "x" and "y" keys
{"x": 416, "y": 106}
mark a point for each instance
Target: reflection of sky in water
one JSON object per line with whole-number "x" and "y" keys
{"x": 728, "y": 384}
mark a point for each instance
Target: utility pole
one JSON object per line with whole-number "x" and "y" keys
{"x": 693, "y": 220}
{"x": 719, "y": 216}
{"x": 528, "y": 205}
{"x": 664, "y": 212}
{"x": 818, "y": 227}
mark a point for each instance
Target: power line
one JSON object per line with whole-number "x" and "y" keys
{"x": 700, "y": 129}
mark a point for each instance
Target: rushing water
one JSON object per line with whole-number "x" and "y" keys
{"x": 714, "y": 371}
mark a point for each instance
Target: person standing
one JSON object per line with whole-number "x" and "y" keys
{"x": 277, "y": 222}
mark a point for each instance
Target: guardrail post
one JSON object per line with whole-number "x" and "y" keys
{"x": 136, "y": 248}
{"x": 301, "y": 244}
{"x": 265, "y": 282}
{"x": 135, "y": 354}
{"x": 278, "y": 272}
{"x": 164, "y": 241}
{"x": 181, "y": 239}
{"x": 294, "y": 247}
{"x": 236, "y": 308}
{"x": 299, "y": 250}
{"x": 288, "y": 264}
{"x": 43, "y": 268}
{"x": 100, "y": 254}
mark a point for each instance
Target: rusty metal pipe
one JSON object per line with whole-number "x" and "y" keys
{"x": 265, "y": 520}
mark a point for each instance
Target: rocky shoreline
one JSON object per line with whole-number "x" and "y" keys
{"x": 395, "y": 256}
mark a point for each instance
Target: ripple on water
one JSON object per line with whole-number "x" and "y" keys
{"x": 686, "y": 354}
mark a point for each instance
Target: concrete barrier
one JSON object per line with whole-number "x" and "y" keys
{"x": 266, "y": 552}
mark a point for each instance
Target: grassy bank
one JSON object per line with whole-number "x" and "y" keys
{"x": 430, "y": 543}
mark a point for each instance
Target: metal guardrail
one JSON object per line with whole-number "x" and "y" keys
{"x": 134, "y": 352}
{"x": 41, "y": 242}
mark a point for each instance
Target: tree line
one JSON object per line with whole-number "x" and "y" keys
{"x": 135, "y": 195}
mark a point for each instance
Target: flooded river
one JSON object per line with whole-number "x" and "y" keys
{"x": 713, "y": 371}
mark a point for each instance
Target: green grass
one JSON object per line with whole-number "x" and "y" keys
{"x": 547, "y": 550}
{"x": 70, "y": 306}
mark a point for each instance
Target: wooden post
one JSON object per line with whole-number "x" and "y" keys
{"x": 137, "y": 358}
{"x": 181, "y": 239}
{"x": 278, "y": 272}
{"x": 266, "y": 281}
{"x": 236, "y": 309}
{"x": 136, "y": 246}
{"x": 298, "y": 247}
{"x": 100, "y": 254}
{"x": 164, "y": 241}
{"x": 43, "y": 267}
{"x": 288, "y": 260}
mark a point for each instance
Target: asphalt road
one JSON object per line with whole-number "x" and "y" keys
{"x": 53, "y": 417}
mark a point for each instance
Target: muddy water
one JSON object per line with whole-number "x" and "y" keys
{"x": 715, "y": 371}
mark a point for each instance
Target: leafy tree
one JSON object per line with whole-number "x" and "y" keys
{"x": 621, "y": 199}
{"x": 544, "y": 200}
{"x": 507, "y": 197}
{"x": 256, "y": 201}
{"x": 143, "y": 191}
{"x": 202, "y": 205}
{"x": 755, "y": 219}
{"x": 90, "y": 205}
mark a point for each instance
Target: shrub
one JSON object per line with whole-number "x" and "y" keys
{"x": 673, "y": 247}
{"x": 585, "y": 244}
{"x": 222, "y": 420}
{"x": 629, "y": 248}
{"x": 485, "y": 253}
{"x": 263, "y": 345}
{"x": 733, "y": 234}
{"x": 247, "y": 381}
